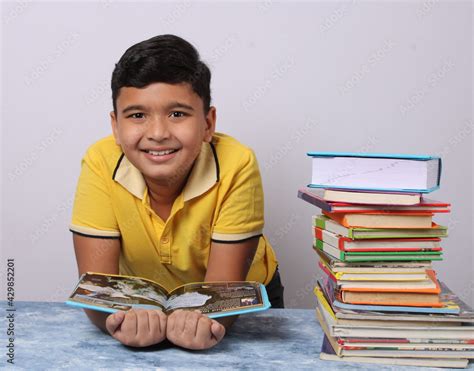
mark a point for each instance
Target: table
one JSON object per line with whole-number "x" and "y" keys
{"x": 53, "y": 335}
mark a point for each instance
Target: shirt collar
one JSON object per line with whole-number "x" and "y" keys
{"x": 203, "y": 176}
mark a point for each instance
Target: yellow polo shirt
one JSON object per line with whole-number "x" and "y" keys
{"x": 222, "y": 201}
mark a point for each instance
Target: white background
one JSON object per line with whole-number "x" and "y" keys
{"x": 287, "y": 78}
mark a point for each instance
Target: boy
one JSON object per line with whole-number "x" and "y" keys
{"x": 167, "y": 198}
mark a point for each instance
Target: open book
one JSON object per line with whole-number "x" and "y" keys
{"x": 110, "y": 293}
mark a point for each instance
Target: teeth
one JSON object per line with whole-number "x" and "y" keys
{"x": 161, "y": 153}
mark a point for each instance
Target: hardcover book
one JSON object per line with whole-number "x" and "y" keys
{"x": 328, "y": 224}
{"x": 328, "y": 354}
{"x": 398, "y": 267}
{"x": 110, "y": 293}
{"x": 372, "y": 275}
{"x": 417, "y": 293}
{"x": 383, "y": 219}
{"x": 351, "y": 256}
{"x": 386, "y": 283}
{"x": 386, "y": 347}
{"x": 328, "y": 290}
{"x": 375, "y": 171}
{"x": 416, "y": 330}
{"x": 389, "y": 244}
{"x": 453, "y": 310}
{"x": 315, "y": 197}
{"x": 371, "y": 197}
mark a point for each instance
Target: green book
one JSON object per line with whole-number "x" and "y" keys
{"x": 330, "y": 225}
{"x": 376, "y": 256}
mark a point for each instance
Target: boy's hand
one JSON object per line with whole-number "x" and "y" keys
{"x": 137, "y": 328}
{"x": 193, "y": 330}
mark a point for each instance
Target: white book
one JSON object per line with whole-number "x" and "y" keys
{"x": 372, "y": 198}
{"x": 379, "y": 172}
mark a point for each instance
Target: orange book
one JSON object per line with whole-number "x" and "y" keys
{"x": 410, "y": 298}
{"x": 383, "y": 219}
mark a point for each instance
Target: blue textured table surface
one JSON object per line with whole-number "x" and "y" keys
{"x": 52, "y": 336}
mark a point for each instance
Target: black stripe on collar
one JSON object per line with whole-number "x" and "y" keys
{"x": 118, "y": 165}
{"x": 217, "y": 161}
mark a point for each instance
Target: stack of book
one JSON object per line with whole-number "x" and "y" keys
{"x": 379, "y": 300}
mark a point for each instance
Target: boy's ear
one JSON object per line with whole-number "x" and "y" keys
{"x": 113, "y": 122}
{"x": 210, "y": 124}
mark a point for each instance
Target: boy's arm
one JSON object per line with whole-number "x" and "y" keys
{"x": 99, "y": 255}
{"x": 133, "y": 328}
{"x": 230, "y": 262}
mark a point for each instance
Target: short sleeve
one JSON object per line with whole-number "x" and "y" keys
{"x": 93, "y": 215}
{"x": 241, "y": 213}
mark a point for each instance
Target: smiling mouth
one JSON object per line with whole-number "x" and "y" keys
{"x": 160, "y": 153}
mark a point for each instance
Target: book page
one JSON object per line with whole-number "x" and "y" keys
{"x": 215, "y": 297}
{"x": 118, "y": 292}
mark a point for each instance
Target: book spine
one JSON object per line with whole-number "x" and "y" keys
{"x": 320, "y": 223}
{"x": 319, "y": 244}
{"x": 318, "y": 233}
{"x": 330, "y": 289}
{"x": 314, "y": 201}
{"x": 330, "y": 238}
{"x": 327, "y": 272}
{"x": 440, "y": 167}
{"x": 341, "y": 243}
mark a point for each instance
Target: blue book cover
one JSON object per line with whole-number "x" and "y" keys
{"x": 373, "y": 155}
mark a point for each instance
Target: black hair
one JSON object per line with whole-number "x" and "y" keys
{"x": 164, "y": 58}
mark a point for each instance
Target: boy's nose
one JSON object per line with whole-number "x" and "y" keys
{"x": 157, "y": 129}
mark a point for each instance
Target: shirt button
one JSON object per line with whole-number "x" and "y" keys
{"x": 165, "y": 240}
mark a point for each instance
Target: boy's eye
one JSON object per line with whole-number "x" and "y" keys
{"x": 177, "y": 114}
{"x": 137, "y": 115}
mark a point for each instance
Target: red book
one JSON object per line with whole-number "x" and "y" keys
{"x": 383, "y": 219}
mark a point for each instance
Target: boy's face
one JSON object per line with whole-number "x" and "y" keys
{"x": 161, "y": 129}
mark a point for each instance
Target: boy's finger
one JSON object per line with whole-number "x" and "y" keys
{"x": 218, "y": 330}
{"x": 157, "y": 322}
{"x": 180, "y": 321}
{"x": 143, "y": 323}
{"x": 129, "y": 325}
{"x": 163, "y": 321}
{"x": 173, "y": 322}
{"x": 114, "y": 321}
{"x": 170, "y": 323}
{"x": 203, "y": 331}
{"x": 191, "y": 323}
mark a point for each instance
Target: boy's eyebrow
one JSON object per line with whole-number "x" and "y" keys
{"x": 133, "y": 107}
{"x": 138, "y": 107}
{"x": 179, "y": 105}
